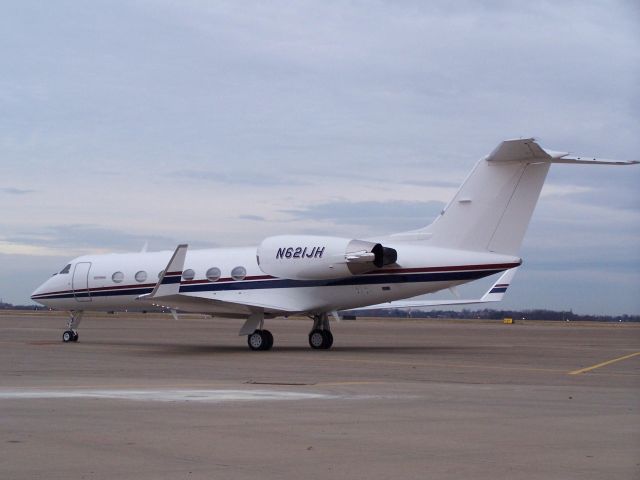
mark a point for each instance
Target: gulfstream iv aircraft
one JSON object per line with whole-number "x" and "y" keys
{"x": 476, "y": 235}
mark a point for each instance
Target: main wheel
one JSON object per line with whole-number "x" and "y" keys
{"x": 75, "y": 337}
{"x": 257, "y": 340}
{"x": 328, "y": 339}
{"x": 316, "y": 339}
{"x": 269, "y": 339}
{"x": 67, "y": 336}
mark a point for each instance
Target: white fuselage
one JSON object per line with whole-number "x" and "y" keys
{"x": 115, "y": 281}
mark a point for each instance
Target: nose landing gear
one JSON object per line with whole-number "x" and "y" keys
{"x": 71, "y": 334}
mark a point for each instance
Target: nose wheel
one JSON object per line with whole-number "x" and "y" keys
{"x": 71, "y": 333}
{"x": 260, "y": 340}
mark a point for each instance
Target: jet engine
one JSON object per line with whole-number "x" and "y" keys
{"x": 309, "y": 257}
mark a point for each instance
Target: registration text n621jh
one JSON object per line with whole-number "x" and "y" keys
{"x": 300, "y": 252}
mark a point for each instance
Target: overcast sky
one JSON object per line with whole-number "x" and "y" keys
{"x": 220, "y": 123}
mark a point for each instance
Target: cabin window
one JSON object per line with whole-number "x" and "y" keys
{"x": 66, "y": 269}
{"x": 141, "y": 276}
{"x": 117, "y": 277}
{"x": 239, "y": 273}
{"x": 213, "y": 274}
{"x": 188, "y": 274}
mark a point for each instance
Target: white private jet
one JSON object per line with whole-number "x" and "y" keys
{"x": 476, "y": 235}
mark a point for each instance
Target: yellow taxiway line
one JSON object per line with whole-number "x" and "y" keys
{"x": 603, "y": 364}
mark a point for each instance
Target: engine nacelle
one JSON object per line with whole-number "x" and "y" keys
{"x": 310, "y": 257}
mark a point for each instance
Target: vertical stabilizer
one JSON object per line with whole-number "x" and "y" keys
{"x": 493, "y": 207}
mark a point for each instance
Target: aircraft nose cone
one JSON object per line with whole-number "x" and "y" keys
{"x": 38, "y": 291}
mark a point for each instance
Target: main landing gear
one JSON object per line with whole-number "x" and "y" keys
{"x": 71, "y": 334}
{"x": 259, "y": 339}
{"x": 320, "y": 337}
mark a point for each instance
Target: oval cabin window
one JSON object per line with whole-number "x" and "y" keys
{"x": 141, "y": 276}
{"x": 188, "y": 274}
{"x": 117, "y": 277}
{"x": 213, "y": 274}
{"x": 239, "y": 273}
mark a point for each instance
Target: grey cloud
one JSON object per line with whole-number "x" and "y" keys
{"x": 15, "y": 191}
{"x": 399, "y": 215}
{"x": 256, "y": 218}
{"x": 432, "y": 183}
{"x": 75, "y": 236}
{"x": 241, "y": 177}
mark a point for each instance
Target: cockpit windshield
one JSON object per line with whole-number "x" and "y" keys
{"x": 66, "y": 269}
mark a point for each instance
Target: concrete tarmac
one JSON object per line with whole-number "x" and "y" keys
{"x": 148, "y": 397}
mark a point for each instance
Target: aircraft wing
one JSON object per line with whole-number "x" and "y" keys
{"x": 228, "y": 304}
{"x": 222, "y": 308}
{"x": 494, "y": 294}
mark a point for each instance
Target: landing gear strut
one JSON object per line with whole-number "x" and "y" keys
{"x": 320, "y": 337}
{"x": 71, "y": 334}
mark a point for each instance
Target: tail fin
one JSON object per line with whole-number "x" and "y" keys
{"x": 493, "y": 207}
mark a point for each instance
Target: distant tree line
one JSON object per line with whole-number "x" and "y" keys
{"x": 8, "y": 306}
{"x": 488, "y": 314}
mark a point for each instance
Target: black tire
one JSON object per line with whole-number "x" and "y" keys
{"x": 67, "y": 336}
{"x": 75, "y": 337}
{"x": 328, "y": 339}
{"x": 268, "y": 339}
{"x": 316, "y": 339}
{"x": 256, "y": 341}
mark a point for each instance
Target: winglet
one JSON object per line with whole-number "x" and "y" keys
{"x": 498, "y": 289}
{"x": 169, "y": 281}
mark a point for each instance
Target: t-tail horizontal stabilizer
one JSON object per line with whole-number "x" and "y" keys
{"x": 169, "y": 281}
{"x": 529, "y": 151}
{"x": 494, "y": 294}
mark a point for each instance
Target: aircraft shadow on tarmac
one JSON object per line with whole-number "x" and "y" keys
{"x": 142, "y": 348}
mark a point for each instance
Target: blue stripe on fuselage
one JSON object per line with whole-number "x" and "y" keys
{"x": 171, "y": 280}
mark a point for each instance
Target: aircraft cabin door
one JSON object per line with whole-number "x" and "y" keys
{"x": 80, "y": 282}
